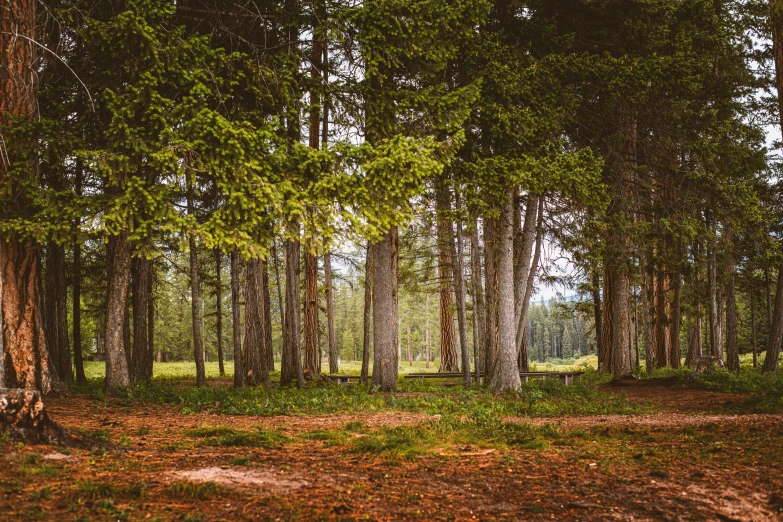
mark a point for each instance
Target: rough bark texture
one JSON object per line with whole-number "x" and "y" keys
{"x": 385, "y": 313}
{"x": 506, "y": 374}
{"x": 330, "y": 334}
{"x": 254, "y": 360}
{"x": 77, "y": 286}
{"x": 49, "y": 304}
{"x": 291, "y": 365}
{"x": 491, "y": 289}
{"x": 219, "y": 308}
{"x": 649, "y": 358}
{"x": 118, "y": 274}
{"x": 448, "y": 347}
{"x": 607, "y": 319}
{"x": 479, "y": 317}
{"x": 23, "y": 416}
{"x": 236, "y": 328}
{"x": 312, "y": 359}
{"x": 597, "y": 312}
{"x": 141, "y": 356}
{"x": 368, "y": 290}
{"x": 676, "y": 320}
{"x": 523, "y": 251}
{"x": 521, "y": 319}
{"x": 661, "y": 338}
{"x": 150, "y": 323}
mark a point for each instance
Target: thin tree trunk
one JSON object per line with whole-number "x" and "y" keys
{"x": 219, "y": 308}
{"x": 427, "y": 328}
{"x": 522, "y": 269}
{"x": 77, "y": 287}
{"x": 506, "y": 373}
{"x": 330, "y": 333}
{"x": 732, "y": 350}
{"x": 713, "y": 298}
{"x": 457, "y": 257}
{"x": 676, "y": 319}
{"x": 530, "y": 279}
{"x": 239, "y": 373}
{"x": 312, "y": 362}
{"x": 195, "y": 302}
{"x": 448, "y": 348}
{"x": 291, "y": 365}
{"x": 368, "y": 300}
{"x": 776, "y": 330}
{"x": 385, "y": 313}
{"x": 479, "y": 319}
{"x": 597, "y": 312}
{"x": 661, "y": 320}
{"x": 64, "y": 369}
{"x": 150, "y": 324}
{"x": 410, "y": 354}
{"x": 49, "y": 305}
{"x": 140, "y": 274}
{"x": 753, "y": 327}
{"x": 279, "y": 290}
{"x": 267, "y": 302}
{"x": 607, "y": 322}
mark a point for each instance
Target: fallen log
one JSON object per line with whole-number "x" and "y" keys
{"x": 23, "y": 416}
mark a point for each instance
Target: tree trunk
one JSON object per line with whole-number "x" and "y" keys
{"x": 732, "y": 350}
{"x": 521, "y": 324}
{"x": 506, "y": 373}
{"x": 330, "y": 334}
{"x": 479, "y": 318}
{"x": 118, "y": 274}
{"x": 713, "y": 299}
{"x": 267, "y": 302}
{"x": 522, "y": 269}
{"x": 661, "y": 320}
{"x": 49, "y": 305}
{"x": 491, "y": 289}
{"x": 239, "y": 373}
{"x": 621, "y": 360}
{"x": 24, "y": 362}
{"x": 385, "y": 313}
{"x": 607, "y": 321}
{"x": 64, "y": 369}
{"x": 448, "y": 349}
{"x": 459, "y": 293}
{"x": 195, "y": 302}
{"x": 140, "y": 275}
{"x": 776, "y": 330}
{"x": 291, "y": 365}
{"x": 77, "y": 287}
{"x": 219, "y": 308}
{"x": 253, "y": 358}
{"x": 753, "y": 327}
{"x": 368, "y": 300}
{"x": 312, "y": 362}
{"x": 279, "y": 290}
{"x": 150, "y": 324}
{"x": 676, "y": 320}
{"x": 427, "y": 329}
{"x": 597, "y": 313}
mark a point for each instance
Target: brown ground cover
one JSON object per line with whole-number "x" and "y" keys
{"x": 687, "y": 463}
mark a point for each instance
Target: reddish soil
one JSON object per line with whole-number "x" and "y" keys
{"x": 668, "y": 466}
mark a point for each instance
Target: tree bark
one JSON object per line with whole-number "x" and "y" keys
{"x": 649, "y": 357}
{"x": 459, "y": 293}
{"x": 521, "y": 320}
{"x": 448, "y": 348}
{"x": 522, "y": 269}
{"x": 676, "y": 319}
{"x": 239, "y": 373}
{"x": 253, "y": 358}
{"x": 368, "y": 293}
{"x": 732, "y": 350}
{"x": 330, "y": 334}
{"x": 150, "y": 323}
{"x": 49, "y": 305}
{"x": 385, "y": 313}
{"x": 64, "y": 368}
{"x": 77, "y": 287}
{"x": 753, "y": 327}
{"x": 219, "y": 308}
{"x": 267, "y": 302}
{"x": 607, "y": 320}
{"x": 506, "y": 373}
{"x": 427, "y": 329}
{"x": 597, "y": 312}
{"x": 140, "y": 275}
{"x": 195, "y": 301}
{"x": 291, "y": 365}
{"x": 776, "y": 330}
{"x": 312, "y": 360}
{"x": 479, "y": 318}
{"x": 118, "y": 273}
{"x": 491, "y": 290}
{"x": 661, "y": 320}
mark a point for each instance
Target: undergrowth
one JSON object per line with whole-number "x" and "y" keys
{"x": 536, "y": 398}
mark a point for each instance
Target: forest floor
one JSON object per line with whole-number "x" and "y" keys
{"x": 685, "y": 454}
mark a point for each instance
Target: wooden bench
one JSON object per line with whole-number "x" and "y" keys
{"x": 566, "y": 377}
{"x": 345, "y": 378}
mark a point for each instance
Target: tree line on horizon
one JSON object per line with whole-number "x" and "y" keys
{"x": 178, "y": 175}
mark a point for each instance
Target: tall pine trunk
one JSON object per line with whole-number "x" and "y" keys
{"x": 506, "y": 373}
{"x": 236, "y": 332}
{"x": 459, "y": 293}
{"x": 78, "y": 359}
{"x": 140, "y": 275}
{"x": 195, "y": 301}
{"x": 117, "y": 274}
{"x": 267, "y": 302}
{"x": 448, "y": 348}
{"x": 491, "y": 292}
{"x": 219, "y": 308}
{"x": 291, "y": 365}
{"x": 254, "y": 362}
{"x": 312, "y": 359}
{"x": 330, "y": 334}
{"x": 367, "y": 333}
{"x": 385, "y": 313}
{"x": 64, "y": 368}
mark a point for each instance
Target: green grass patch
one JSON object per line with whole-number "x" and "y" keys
{"x": 225, "y": 436}
{"x": 196, "y": 491}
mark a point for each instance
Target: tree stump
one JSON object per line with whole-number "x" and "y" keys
{"x": 24, "y": 417}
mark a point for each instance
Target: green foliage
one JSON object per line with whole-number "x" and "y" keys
{"x": 196, "y": 491}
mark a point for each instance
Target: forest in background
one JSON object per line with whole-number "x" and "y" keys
{"x": 179, "y": 178}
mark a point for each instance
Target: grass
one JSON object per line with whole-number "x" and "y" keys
{"x": 196, "y": 491}
{"x": 225, "y": 436}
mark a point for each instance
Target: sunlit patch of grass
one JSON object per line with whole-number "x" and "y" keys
{"x": 225, "y": 436}
{"x": 239, "y": 460}
{"x": 93, "y": 490}
{"x": 196, "y": 491}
